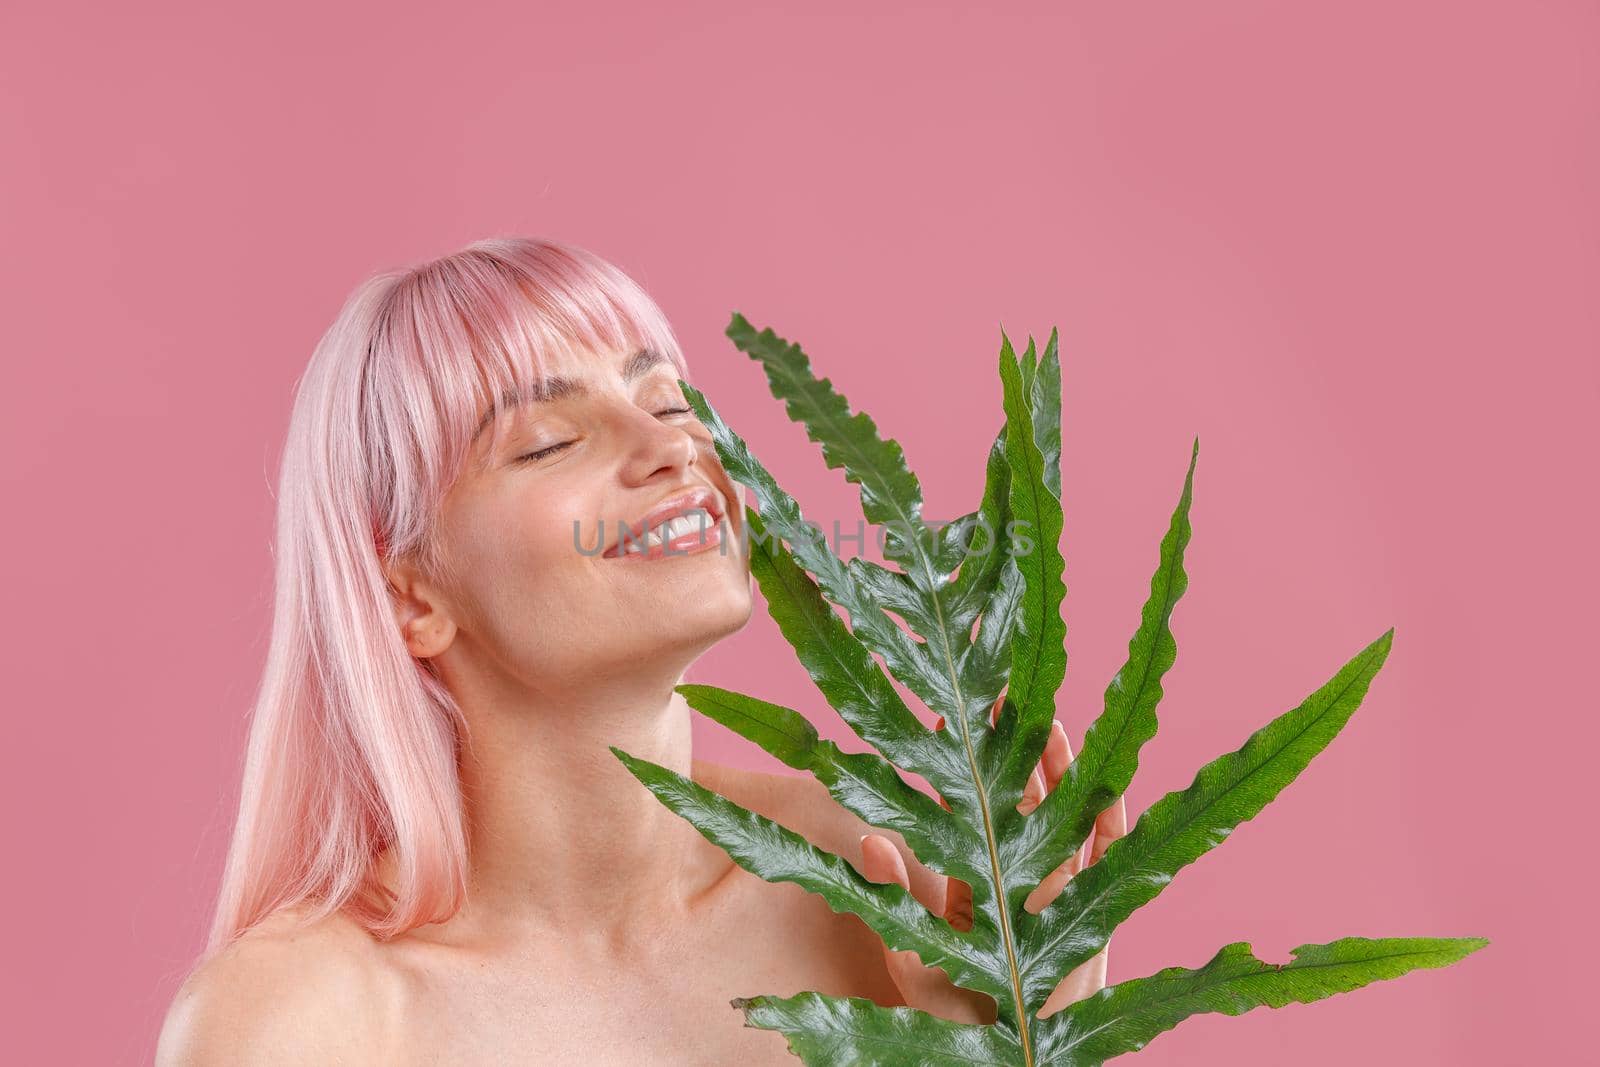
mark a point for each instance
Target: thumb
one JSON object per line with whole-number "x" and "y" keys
{"x": 881, "y": 862}
{"x": 925, "y": 988}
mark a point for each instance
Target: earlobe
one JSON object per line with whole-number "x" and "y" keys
{"x": 424, "y": 626}
{"x": 430, "y": 636}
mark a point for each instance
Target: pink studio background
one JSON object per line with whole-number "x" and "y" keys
{"x": 1352, "y": 246}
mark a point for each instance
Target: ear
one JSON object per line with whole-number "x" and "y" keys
{"x": 420, "y": 610}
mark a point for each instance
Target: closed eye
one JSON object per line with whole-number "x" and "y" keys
{"x": 543, "y": 452}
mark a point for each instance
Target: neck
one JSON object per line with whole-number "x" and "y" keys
{"x": 562, "y": 836}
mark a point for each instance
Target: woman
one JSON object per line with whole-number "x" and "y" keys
{"x": 437, "y": 859}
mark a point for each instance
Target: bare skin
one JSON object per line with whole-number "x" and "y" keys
{"x": 545, "y": 993}
{"x": 599, "y": 927}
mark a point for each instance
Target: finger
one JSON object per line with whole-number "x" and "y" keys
{"x": 1033, "y": 792}
{"x": 1051, "y": 769}
{"x": 1080, "y": 858}
{"x": 957, "y": 909}
{"x": 925, "y": 988}
{"x": 927, "y": 887}
{"x": 950, "y": 898}
{"x": 1054, "y": 882}
{"x": 1052, "y": 885}
{"x": 1109, "y": 825}
{"x": 1057, "y": 756}
{"x": 881, "y": 861}
{"x": 1085, "y": 980}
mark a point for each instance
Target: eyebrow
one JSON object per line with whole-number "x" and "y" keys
{"x": 559, "y": 388}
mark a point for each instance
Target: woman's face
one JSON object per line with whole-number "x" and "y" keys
{"x": 532, "y": 593}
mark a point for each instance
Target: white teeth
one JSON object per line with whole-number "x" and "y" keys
{"x": 690, "y": 522}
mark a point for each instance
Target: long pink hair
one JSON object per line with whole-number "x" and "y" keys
{"x": 353, "y": 742}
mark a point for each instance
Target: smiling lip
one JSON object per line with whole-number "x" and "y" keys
{"x": 677, "y": 504}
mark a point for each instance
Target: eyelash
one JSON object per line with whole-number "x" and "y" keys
{"x": 541, "y": 453}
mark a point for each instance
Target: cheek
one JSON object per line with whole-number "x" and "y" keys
{"x": 519, "y": 555}
{"x": 523, "y": 525}
{"x": 547, "y": 545}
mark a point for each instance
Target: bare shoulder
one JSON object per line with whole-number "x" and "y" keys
{"x": 798, "y": 801}
{"x": 802, "y": 803}
{"x": 286, "y": 992}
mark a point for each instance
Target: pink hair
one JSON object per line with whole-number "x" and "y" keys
{"x": 353, "y": 742}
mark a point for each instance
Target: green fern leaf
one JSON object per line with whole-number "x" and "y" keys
{"x": 981, "y": 597}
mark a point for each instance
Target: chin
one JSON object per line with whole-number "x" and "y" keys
{"x": 724, "y": 610}
{"x": 687, "y": 630}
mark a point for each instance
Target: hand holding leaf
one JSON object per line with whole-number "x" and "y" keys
{"x": 1037, "y": 886}
{"x": 929, "y": 988}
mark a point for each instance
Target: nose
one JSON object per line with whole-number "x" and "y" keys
{"x": 654, "y": 446}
